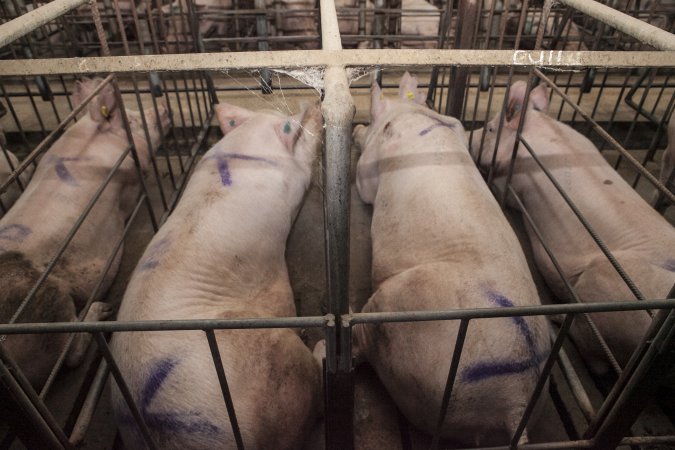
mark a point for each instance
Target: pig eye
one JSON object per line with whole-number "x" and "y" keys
{"x": 491, "y": 129}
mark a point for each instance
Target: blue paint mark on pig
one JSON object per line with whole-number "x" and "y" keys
{"x": 439, "y": 123}
{"x": 487, "y": 369}
{"x": 153, "y": 254}
{"x": 183, "y": 422}
{"x": 14, "y": 232}
{"x": 669, "y": 265}
{"x": 61, "y": 170}
{"x": 224, "y": 168}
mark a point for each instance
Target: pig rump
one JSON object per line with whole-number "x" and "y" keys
{"x": 35, "y": 354}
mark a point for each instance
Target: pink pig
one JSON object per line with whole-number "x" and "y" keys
{"x": 32, "y": 231}
{"x": 440, "y": 242}
{"x": 642, "y": 241}
{"x": 221, "y": 255}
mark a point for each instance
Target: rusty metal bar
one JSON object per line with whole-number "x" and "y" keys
{"x": 26, "y": 23}
{"x": 314, "y": 58}
{"x": 640, "y": 30}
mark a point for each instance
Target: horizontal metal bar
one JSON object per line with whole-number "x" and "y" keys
{"x": 164, "y": 325}
{"x": 488, "y": 313}
{"x": 24, "y": 24}
{"x": 350, "y": 57}
{"x": 586, "y": 443}
{"x": 640, "y": 30}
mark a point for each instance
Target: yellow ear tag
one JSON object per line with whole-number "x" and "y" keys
{"x": 104, "y": 111}
{"x": 410, "y": 95}
{"x": 381, "y": 96}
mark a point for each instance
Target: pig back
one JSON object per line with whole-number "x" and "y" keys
{"x": 440, "y": 242}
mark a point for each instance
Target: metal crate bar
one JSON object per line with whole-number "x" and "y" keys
{"x": 642, "y": 31}
{"x": 28, "y": 22}
{"x": 322, "y": 58}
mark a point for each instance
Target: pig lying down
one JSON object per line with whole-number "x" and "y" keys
{"x": 220, "y": 255}
{"x": 8, "y": 162}
{"x": 441, "y": 242}
{"x": 640, "y": 239}
{"x": 31, "y": 232}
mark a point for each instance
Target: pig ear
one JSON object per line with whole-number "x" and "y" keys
{"x": 231, "y": 116}
{"x": 377, "y": 102}
{"x": 309, "y": 126}
{"x": 539, "y": 98}
{"x": 407, "y": 89}
{"x": 516, "y": 98}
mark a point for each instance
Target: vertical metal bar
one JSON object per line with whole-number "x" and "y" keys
{"x": 654, "y": 369}
{"x": 89, "y": 405}
{"x": 124, "y": 389}
{"x": 466, "y": 18}
{"x": 543, "y": 377}
{"x": 31, "y": 407}
{"x": 222, "y": 379}
{"x": 640, "y": 360}
{"x": 452, "y": 374}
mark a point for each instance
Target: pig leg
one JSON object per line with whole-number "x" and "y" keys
{"x": 97, "y": 312}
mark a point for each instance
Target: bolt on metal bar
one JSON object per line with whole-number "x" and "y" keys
{"x": 43, "y": 420}
{"x": 47, "y": 141}
{"x": 568, "y": 286}
{"x": 543, "y": 377}
{"x": 26, "y": 23}
{"x": 350, "y": 57}
{"x": 452, "y": 374}
{"x": 636, "y": 28}
{"x": 124, "y": 390}
{"x": 636, "y": 164}
{"x": 222, "y": 379}
{"x": 599, "y": 242}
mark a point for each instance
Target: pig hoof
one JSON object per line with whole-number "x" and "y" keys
{"x": 99, "y": 311}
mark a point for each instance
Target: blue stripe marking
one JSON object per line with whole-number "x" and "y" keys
{"x": 488, "y": 369}
{"x": 224, "y": 169}
{"x": 14, "y": 232}
{"x": 168, "y": 422}
{"x": 669, "y": 265}
{"x": 439, "y": 123}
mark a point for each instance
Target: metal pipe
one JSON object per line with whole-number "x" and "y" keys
{"x": 575, "y": 385}
{"x": 13, "y": 379}
{"x": 636, "y": 28}
{"x": 327, "y": 320}
{"x": 164, "y": 325}
{"x": 330, "y": 31}
{"x": 452, "y": 374}
{"x": 89, "y": 405}
{"x": 124, "y": 390}
{"x": 222, "y": 379}
{"x": 350, "y": 57}
{"x": 26, "y": 23}
{"x": 543, "y": 378}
